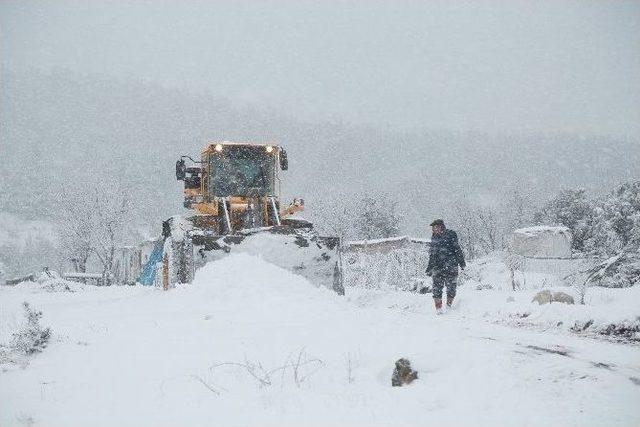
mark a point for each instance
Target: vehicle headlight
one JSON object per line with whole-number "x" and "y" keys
{"x": 269, "y": 148}
{"x": 218, "y": 148}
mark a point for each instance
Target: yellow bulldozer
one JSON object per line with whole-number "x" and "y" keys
{"x": 234, "y": 190}
{"x": 236, "y": 186}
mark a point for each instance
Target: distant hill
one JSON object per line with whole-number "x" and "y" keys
{"x": 25, "y": 246}
{"x": 62, "y": 127}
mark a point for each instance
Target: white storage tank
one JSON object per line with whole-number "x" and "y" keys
{"x": 542, "y": 242}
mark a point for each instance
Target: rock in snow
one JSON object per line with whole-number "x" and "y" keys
{"x": 546, "y": 297}
{"x": 543, "y": 297}
{"x": 403, "y": 373}
{"x": 563, "y": 298}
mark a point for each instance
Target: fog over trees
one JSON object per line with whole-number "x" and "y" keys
{"x": 76, "y": 111}
{"x": 73, "y": 129}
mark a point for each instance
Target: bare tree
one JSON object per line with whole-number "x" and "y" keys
{"x": 94, "y": 223}
{"x": 76, "y": 228}
{"x": 467, "y": 230}
{"x": 335, "y": 217}
{"x": 517, "y": 210}
{"x": 597, "y": 272}
{"x": 363, "y": 217}
{"x": 111, "y": 211}
{"x": 377, "y": 217}
{"x": 487, "y": 223}
{"x": 514, "y": 262}
{"x": 478, "y": 229}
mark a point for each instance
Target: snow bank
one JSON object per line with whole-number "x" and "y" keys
{"x": 52, "y": 285}
{"x": 487, "y": 283}
{"x": 613, "y": 313}
{"x": 485, "y": 294}
{"x": 304, "y": 256}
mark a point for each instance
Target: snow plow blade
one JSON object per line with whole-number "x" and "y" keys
{"x": 294, "y": 247}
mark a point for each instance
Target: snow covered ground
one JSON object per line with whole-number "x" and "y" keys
{"x": 250, "y": 344}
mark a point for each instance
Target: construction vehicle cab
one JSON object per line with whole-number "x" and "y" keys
{"x": 236, "y": 185}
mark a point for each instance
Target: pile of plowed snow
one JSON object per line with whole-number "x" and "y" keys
{"x": 300, "y": 253}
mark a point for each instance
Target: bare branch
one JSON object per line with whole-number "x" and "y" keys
{"x": 204, "y": 383}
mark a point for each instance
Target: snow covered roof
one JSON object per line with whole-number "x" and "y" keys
{"x": 419, "y": 240}
{"x": 79, "y": 275}
{"x": 542, "y": 229}
{"x": 376, "y": 241}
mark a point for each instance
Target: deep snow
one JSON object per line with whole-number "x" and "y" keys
{"x": 136, "y": 356}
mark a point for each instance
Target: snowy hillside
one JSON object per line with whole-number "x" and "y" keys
{"x": 25, "y": 246}
{"x": 18, "y": 233}
{"x": 250, "y": 344}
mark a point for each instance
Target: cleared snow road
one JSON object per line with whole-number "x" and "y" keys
{"x": 251, "y": 344}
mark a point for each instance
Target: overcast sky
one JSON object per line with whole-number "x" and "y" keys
{"x": 551, "y": 66}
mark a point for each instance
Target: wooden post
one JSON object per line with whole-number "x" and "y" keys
{"x": 165, "y": 272}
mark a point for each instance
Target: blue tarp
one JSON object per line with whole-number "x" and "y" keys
{"x": 148, "y": 275}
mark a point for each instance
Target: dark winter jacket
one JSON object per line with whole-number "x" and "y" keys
{"x": 445, "y": 254}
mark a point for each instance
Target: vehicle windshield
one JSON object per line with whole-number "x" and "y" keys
{"x": 242, "y": 171}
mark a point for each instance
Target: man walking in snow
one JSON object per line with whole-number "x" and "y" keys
{"x": 445, "y": 255}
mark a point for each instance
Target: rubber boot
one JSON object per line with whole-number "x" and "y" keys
{"x": 449, "y": 302}
{"x": 438, "y": 303}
